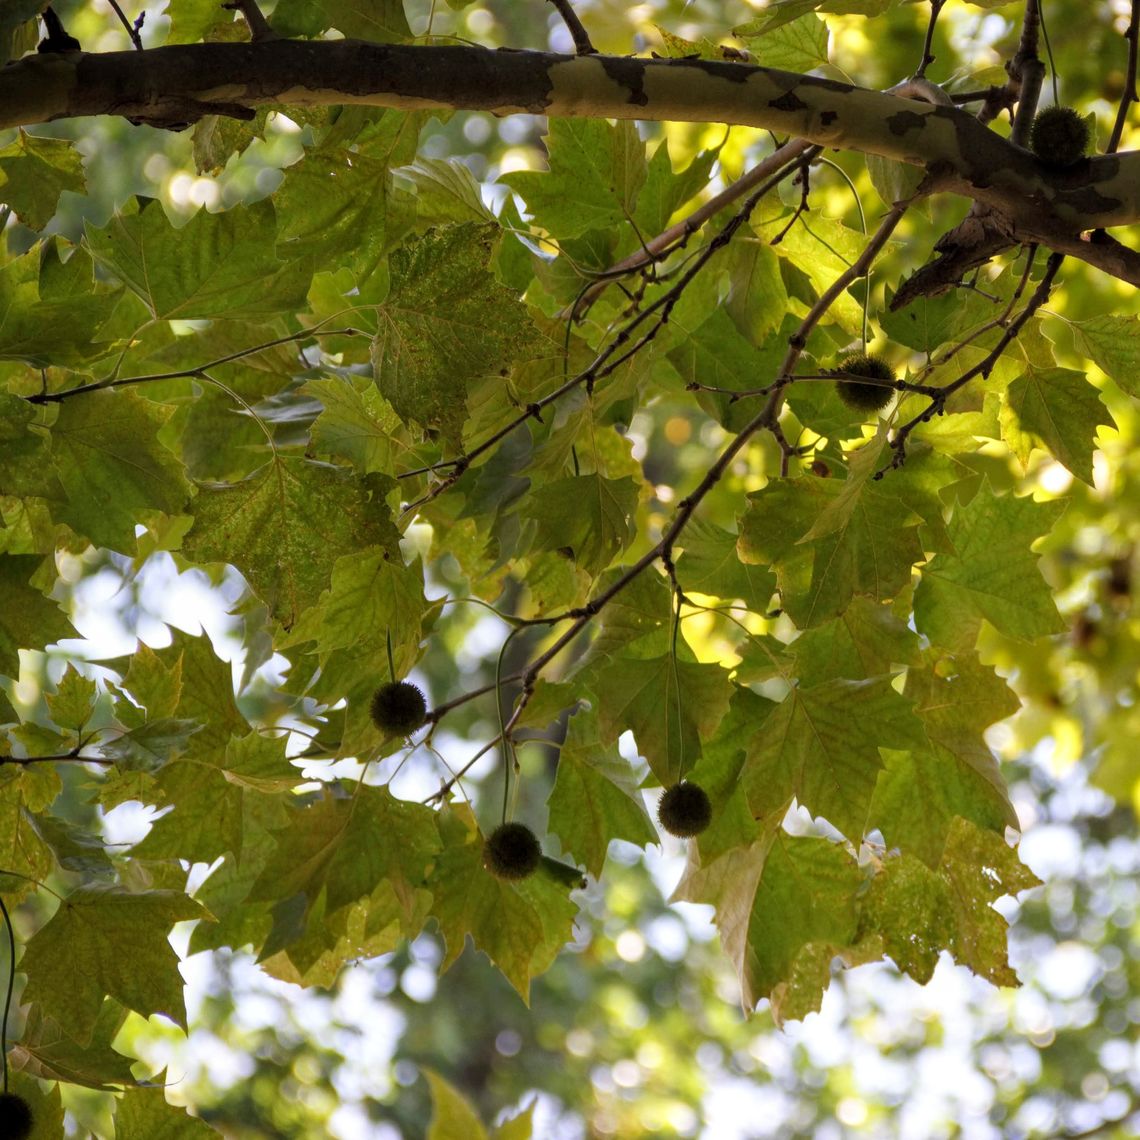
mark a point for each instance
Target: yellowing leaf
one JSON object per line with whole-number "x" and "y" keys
{"x": 286, "y": 525}
{"x": 992, "y": 575}
{"x": 107, "y": 941}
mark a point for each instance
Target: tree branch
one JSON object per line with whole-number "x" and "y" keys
{"x": 168, "y": 84}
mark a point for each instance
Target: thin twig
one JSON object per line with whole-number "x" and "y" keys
{"x": 8, "y": 994}
{"x": 680, "y": 233}
{"x": 1027, "y": 70}
{"x": 183, "y": 373}
{"x": 578, "y": 33}
{"x": 132, "y": 29}
{"x": 938, "y": 404}
{"x": 63, "y": 758}
{"x": 259, "y": 29}
{"x": 927, "y": 58}
{"x": 1128, "y": 95}
{"x": 607, "y": 361}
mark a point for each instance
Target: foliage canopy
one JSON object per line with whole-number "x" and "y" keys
{"x": 373, "y": 399}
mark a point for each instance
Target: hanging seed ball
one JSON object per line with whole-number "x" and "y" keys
{"x": 865, "y": 397}
{"x": 511, "y": 851}
{"x": 684, "y": 810}
{"x": 398, "y": 708}
{"x": 15, "y": 1117}
{"x": 1059, "y": 136}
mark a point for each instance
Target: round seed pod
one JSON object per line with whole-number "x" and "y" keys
{"x": 865, "y": 397}
{"x": 15, "y": 1117}
{"x": 398, "y": 708}
{"x": 512, "y": 851}
{"x": 684, "y": 810}
{"x": 1059, "y": 136}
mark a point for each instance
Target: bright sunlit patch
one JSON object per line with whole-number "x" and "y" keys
{"x": 1054, "y": 478}
{"x": 630, "y": 946}
{"x": 852, "y": 1112}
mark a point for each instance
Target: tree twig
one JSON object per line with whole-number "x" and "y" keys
{"x": 1128, "y": 95}
{"x": 259, "y": 29}
{"x": 927, "y": 58}
{"x": 677, "y": 235}
{"x": 132, "y": 29}
{"x": 578, "y": 33}
{"x": 182, "y": 373}
{"x": 938, "y": 404}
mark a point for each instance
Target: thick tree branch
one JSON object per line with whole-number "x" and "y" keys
{"x": 164, "y": 84}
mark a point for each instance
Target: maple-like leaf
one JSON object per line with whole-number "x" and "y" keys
{"x": 285, "y": 527}
{"x": 109, "y": 941}
{"x": 992, "y": 574}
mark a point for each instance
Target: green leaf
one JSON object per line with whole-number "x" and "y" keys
{"x": 980, "y": 867}
{"x": 28, "y": 620}
{"x": 927, "y": 323}
{"x": 992, "y": 575}
{"x": 920, "y": 793}
{"x": 594, "y": 798}
{"x": 715, "y": 353}
{"x": 781, "y": 12}
{"x": 866, "y": 640}
{"x": 154, "y": 685}
{"x": 785, "y": 907}
{"x": 446, "y": 324}
{"x": 25, "y": 791}
{"x": 520, "y": 926}
{"x": 588, "y": 518}
{"x": 381, "y": 21}
{"x": 710, "y": 564}
{"x": 35, "y": 172}
{"x": 216, "y": 265}
{"x": 910, "y": 907}
{"x": 46, "y": 329}
{"x": 821, "y": 744}
{"x": 334, "y": 207}
{"x": 757, "y": 299}
{"x": 670, "y": 705}
{"x": 338, "y": 852}
{"x": 799, "y": 45}
{"x": 452, "y": 1115}
{"x": 374, "y": 600}
{"x": 145, "y": 1112}
{"x": 829, "y": 542}
{"x": 107, "y": 941}
{"x": 73, "y": 701}
{"x": 664, "y": 191}
{"x": 356, "y": 424}
{"x": 1056, "y": 409}
{"x": 285, "y": 527}
{"x": 206, "y": 692}
{"x": 1114, "y": 344}
{"x": 111, "y": 464}
{"x": 47, "y": 1051}
{"x": 596, "y": 171}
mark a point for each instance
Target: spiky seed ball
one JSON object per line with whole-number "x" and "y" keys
{"x": 865, "y": 397}
{"x": 398, "y": 708}
{"x": 511, "y": 851}
{"x": 15, "y": 1117}
{"x": 1059, "y": 136}
{"x": 684, "y": 810}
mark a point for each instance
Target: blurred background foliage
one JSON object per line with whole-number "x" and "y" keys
{"x": 636, "y": 1030}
